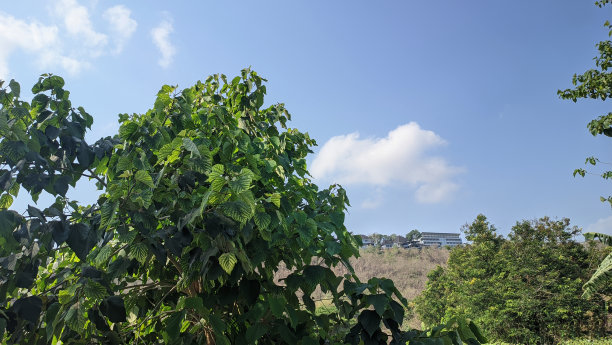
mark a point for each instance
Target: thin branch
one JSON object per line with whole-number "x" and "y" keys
{"x": 93, "y": 175}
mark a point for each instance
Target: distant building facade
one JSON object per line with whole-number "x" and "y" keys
{"x": 440, "y": 239}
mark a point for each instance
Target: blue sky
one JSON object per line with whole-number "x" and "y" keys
{"x": 427, "y": 112}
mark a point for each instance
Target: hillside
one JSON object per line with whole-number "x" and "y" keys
{"x": 407, "y": 267}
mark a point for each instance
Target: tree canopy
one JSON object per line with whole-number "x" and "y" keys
{"x": 523, "y": 290}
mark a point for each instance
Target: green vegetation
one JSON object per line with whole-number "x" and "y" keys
{"x": 525, "y": 289}
{"x": 203, "y": 198}
{"x": 595, "y": 84}
{"x": 413, "y": 235}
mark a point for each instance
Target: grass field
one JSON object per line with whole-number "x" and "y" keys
{"x": 408, "y": 268}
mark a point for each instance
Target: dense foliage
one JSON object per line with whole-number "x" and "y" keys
{"x": 525, "y": 289}
{"x": 595, "y": 84}
{"x": 202, "y": 199}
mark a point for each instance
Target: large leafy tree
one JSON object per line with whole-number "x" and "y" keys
{"x": 525, "y": 289}
{"x": 202, "y": 198}
{"x": 596, "y": 84}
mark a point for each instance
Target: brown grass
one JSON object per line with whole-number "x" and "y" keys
{"x": 408, "y": 268}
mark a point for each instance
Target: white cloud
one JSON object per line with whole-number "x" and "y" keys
{"x": 121, "y": 25}
{"x": 33, "y": 37}
{"x": 79, "y": 26}
{"x": 161, "y": 39}
{"x": 72, "y": 45}
{"x": 602, "y": 226}
{"x": 399, "y": 158}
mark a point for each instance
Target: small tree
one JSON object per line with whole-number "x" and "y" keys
{"x": 413, "y": 235}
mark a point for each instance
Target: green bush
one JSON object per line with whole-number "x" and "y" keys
{"x": 525, "y": 289}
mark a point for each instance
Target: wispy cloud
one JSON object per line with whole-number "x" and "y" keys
{"x": 399, "y": 158}
{"x": 71, "y": 44}
{"x": 121, "y": 25}
{"x": 78, "y": 24}
{"x": 33, "y": 37}
{"x": 161, "y": 39}
{"x": 602, "y": 226}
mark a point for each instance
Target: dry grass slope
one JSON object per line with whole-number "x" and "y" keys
{"x": 408, "y": 268}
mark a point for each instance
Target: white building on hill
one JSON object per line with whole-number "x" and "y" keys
{"x": 440, "y": 239}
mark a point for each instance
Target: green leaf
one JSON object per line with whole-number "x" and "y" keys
{"x": 195, "y": 213}
{"x": 217, "y": 323}
{"x": 380, "y": 302}
{"x": 190, "y": 146}
{"x": 15, "y": 88}
{"x": 107, "y": 213}
{"x": 370, "y": 321}
{"x": 194, "y": 303}
{"x": 144, "y": 177}
{"x": 94, "y": 290}
{"x": 277, "y": 305}
{"x": 237, "y": 210}
{"x": 113, "y": 308}
{"x": 126, "y": 162}
{"x": 256, "y": 331}
{"x": 103, "y": 255}
{"x": 227, "y": 262}
{"x": 242, "y": 182}
{"x": 173, "y": 324}
{"x": 262, "y": 220}
{"x": 81, "y": 239}
{"x": 599, "y": 279}
{"x": 217, "y": 169}
{"x": 127, "y": 129}
{"x": 476, "y": 330}
{"x": 275, "y": 199}
{"x": 61, "y": 185}
{"x": 6, "y": 200}
{"x": 139, "y": 251}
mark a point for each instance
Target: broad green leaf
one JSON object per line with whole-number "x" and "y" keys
{"x": 275, "y": 198}
{"x": 173, "y": 324}
{"x": 195, "y": 213}
{"x": 237, "y": 210}
{"x": 194, "y": 303}
{"x": 227, "y": 262}
{"x": 262, "y": 220}
{"x": 127, "y": 129}
{"x": 190, "y": 146}
{"x": 15, "y": 88}
{"x": 94, "y": 290}
{"x": 369, "y": 320}
{"x": 144, "y": 177}
{"x": 277, "y": 305}
{"x": 380, "y": 302}
{"x": 599, "y": 279}
{"x": 256, "y": 331}
{"x": 6, "y": 200}
{"x": 139, "y": 251}
{"x": 107, "y": 213}
{"x": 103, "y": 255}
{"x": 242, "y": 182}
{"x": 217, "y": 169}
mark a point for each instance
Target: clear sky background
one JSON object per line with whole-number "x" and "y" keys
{"x": 428, "y": 112}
